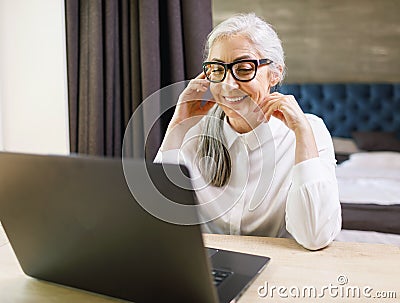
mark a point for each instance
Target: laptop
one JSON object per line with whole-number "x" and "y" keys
{"x": 72, "y": 220}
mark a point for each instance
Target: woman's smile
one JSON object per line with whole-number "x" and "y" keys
{"x": 234, "y": 99}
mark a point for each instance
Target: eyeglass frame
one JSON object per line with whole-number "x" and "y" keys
{"x": 228, "y": 66}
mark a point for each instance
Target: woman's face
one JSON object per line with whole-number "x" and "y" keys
{"x": 237, "y": 99}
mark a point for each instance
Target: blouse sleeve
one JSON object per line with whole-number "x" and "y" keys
{"x": 313, "y": 212}
{"x": 168, "y": 157}
{"x": 177, "y": 155}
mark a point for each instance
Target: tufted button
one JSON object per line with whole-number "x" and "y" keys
{"x": 354, "y": 106}
{"x": 376, "y": 105}
{"x": 390, "y": 119}
{"x": 330, "y": 105}
{"x": 342, "y": 118}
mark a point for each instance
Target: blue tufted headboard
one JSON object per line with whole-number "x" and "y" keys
{"x": 347, "y": 107}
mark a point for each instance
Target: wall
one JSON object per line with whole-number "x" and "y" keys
{"x": 1, "y": 121}
{"x": 33, "y": 87}
{"x": 331, "y": 41}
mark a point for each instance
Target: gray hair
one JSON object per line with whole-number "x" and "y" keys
{"x": 259, "y": 32}
{"x": 213, "y": 157}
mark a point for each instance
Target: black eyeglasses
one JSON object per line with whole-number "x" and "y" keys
{"x": 242, "y": 70}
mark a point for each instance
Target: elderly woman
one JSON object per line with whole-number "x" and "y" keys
{"x": 251, "y": 148}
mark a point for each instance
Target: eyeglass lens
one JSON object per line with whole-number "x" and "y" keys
{"x": 241, "y": 70}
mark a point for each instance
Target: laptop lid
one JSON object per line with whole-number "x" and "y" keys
{"x": 73, "y": 221}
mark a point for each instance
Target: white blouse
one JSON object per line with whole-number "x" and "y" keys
{"x": 267, "y": 194}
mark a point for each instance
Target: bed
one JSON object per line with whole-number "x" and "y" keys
{"x": 364, "y": 121}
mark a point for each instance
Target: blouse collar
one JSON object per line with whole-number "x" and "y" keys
{"x": 254, "y": 138}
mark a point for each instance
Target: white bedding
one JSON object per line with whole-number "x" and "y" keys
{"x": 370, "y": 177}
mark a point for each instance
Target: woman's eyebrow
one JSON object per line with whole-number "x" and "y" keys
{"x": 236, "y": 59}
{"x": 217, "y": 60}
{"x": 242, "y": 57}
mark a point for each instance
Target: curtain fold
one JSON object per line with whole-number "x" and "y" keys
{"x": 119, "y": 53}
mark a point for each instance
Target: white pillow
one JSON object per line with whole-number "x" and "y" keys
{"x": 344, "y": 146}
{"x": 383, "y": 159}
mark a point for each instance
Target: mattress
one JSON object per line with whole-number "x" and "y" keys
{"x": 369, "y": 191}
{"x": 371, "y": 217}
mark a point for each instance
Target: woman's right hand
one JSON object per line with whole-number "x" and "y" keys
{"x": 191, "y": 107}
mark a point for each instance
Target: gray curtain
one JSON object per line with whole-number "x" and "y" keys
{"x": 119, "y": 53}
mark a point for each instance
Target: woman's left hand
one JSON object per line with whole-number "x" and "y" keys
{"x": 286, "y": 109}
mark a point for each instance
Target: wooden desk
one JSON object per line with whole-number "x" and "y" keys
{"x": 291, "y": 266}
{"x": 374, "y": 265}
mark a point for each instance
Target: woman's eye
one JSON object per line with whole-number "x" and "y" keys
{"x": 218, "y": 70}
{"x": 244, "y": 70}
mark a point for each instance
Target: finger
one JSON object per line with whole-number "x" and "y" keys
{"x": 200, "y": 76}
{"x": 266, "y": 102}
{"x": 276, "y": 94}
{"x": 197, "y": 86}
{"x": 271, "y": 109}
{"x": 201, "y": 79}
{"x": 280, "y": 116}
{"x": 198, "y": 80}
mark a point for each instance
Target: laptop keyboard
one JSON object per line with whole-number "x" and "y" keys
{"x": 219, "y": 276}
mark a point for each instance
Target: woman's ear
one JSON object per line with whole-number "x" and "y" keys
{"x": 276, "y": 76}
{"x": 275, "y": 80}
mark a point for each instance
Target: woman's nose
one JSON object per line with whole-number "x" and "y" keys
{"x": 229, "y": 82}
